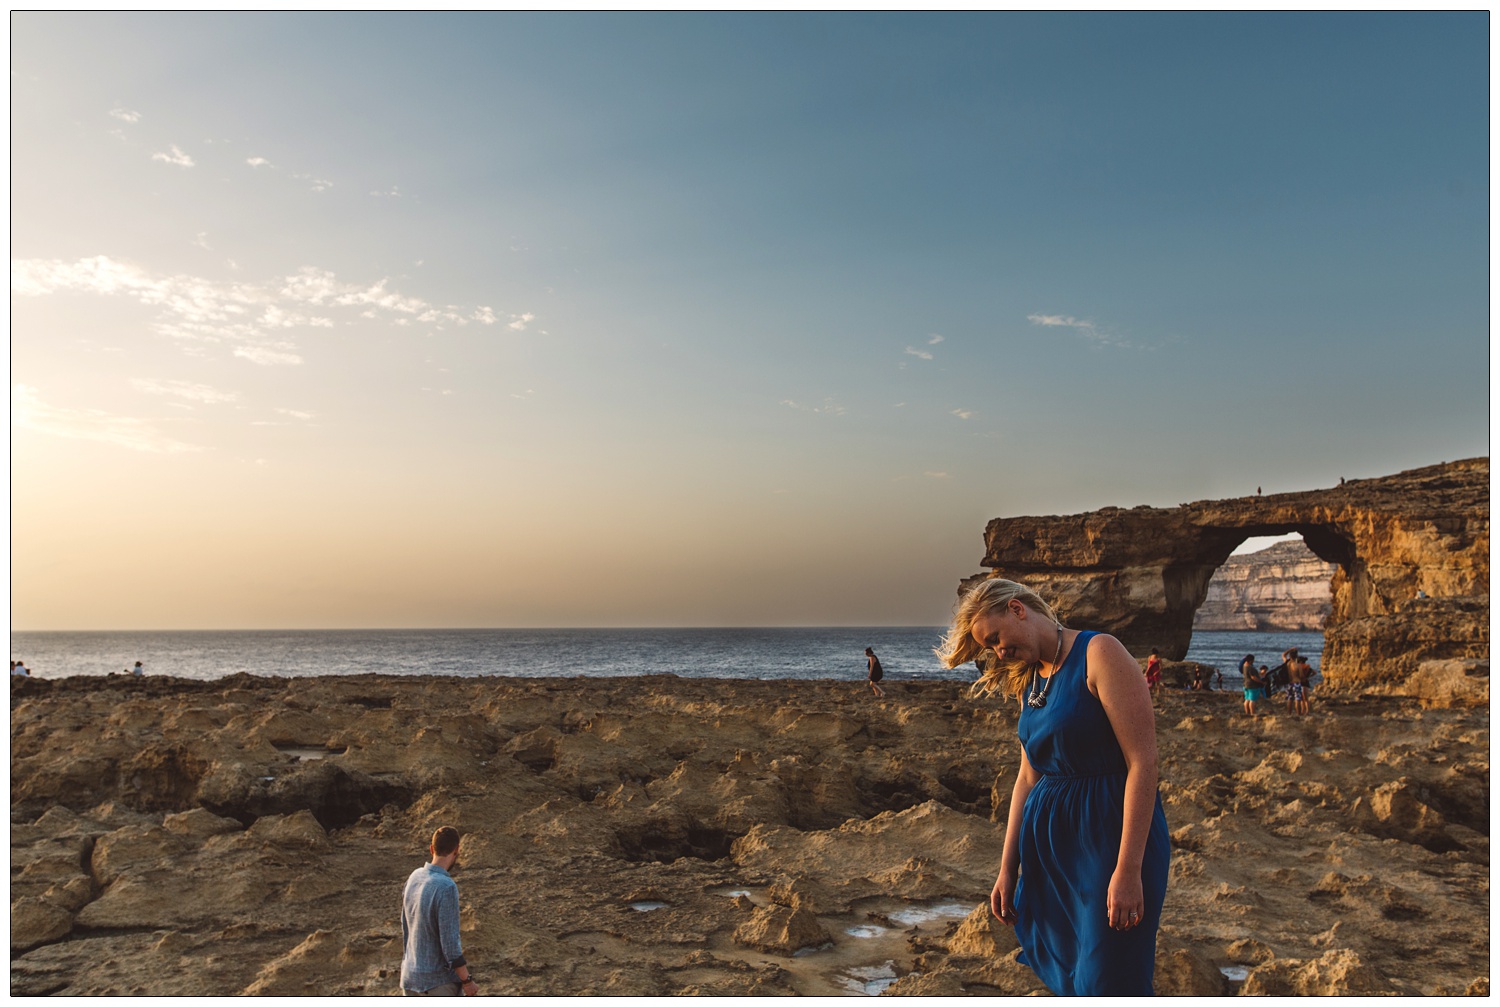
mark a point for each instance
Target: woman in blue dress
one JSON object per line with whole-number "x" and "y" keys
{"x": 1084, "y": 871}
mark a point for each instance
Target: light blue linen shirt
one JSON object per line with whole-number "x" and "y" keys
{"x": 430, "y": 945}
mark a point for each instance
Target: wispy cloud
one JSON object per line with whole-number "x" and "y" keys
{"x": 828, "y": 408}
{"x": 963, "y": 414}
{"x": 177, "y": 157}
{"x": 297, "y": 414}
{"x": 30, "y": 412}
{"x": 1088, "y": 329}
{"x": 923, "y": 354}
{"x": 933, "y": 339}
{"x": 254, "y": 318}
{"x": 936, "y": 475}
{"x": 125, "y": 114}
{"x": 203, "y": 394}
{"x": 258, "y": 162}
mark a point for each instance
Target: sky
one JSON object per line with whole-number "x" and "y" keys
{"x": 552, "y": 320}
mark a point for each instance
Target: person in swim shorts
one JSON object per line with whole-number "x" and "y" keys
{"x": 1255, "y": 689}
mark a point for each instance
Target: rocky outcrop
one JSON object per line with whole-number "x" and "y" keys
{"x": 1411, "y": 550}
{"x": 1284, "y": 587}
{"x": 660, "y": 836}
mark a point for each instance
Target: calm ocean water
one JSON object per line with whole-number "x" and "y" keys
{"x": 802, "y": 653}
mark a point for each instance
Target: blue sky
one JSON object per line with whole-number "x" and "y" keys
{"x": 415, "y": 320}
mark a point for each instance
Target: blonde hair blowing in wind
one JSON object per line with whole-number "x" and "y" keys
{"x": 960, "y": 647}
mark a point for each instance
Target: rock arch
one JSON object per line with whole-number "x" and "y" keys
{"x": 1141, "y": 573}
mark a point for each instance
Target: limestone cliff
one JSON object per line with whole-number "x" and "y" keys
{"x": 1284, "y": 587}
{"x": 1142, "y": 573}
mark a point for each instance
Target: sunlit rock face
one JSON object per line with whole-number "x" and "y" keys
{"x": 1142, "y": 573}
{"x": 1285, "y": 587}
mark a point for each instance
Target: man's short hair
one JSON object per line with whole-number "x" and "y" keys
{"x": 444, "y": 841}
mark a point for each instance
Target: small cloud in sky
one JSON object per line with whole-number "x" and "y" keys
{"x": 936, "y": 475}
{"x": 963, "y": 414}
{"x": 125, "y": 114}
{"x": 296, "y": 414}
{"x": 30, "y": 412}
{"x": 394, "y": 193}
{"x": 933, "y": 339}
{"x": 1083, "y": 327}
{"x": 829, "y": 407}
{"x": 202, "y": 240}
{"x": 266, "y": 356}
{"x": 521, "y": 321}
{"x": 923, "y": 354}
{"x": 523, "y": 395}
{"x": 254, "y": 317}
{"x": 203, "y": 394}
{"x": 321, "y": 185}
{"x": 258, "y": 162}
{"x": 177, "y": 157}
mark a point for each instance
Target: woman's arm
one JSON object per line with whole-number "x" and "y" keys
{"x": 1112, "y": 676}
{"x": 1002, "y": 896}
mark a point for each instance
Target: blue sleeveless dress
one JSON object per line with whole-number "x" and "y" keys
{"x": 1070, "y": 841}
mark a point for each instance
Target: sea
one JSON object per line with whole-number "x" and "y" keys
{"x": 781, "y": 653}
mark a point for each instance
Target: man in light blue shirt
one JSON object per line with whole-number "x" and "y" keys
{"x": 432, "y": 955}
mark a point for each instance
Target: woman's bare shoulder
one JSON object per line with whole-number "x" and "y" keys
{"x": 1105, "y": 646}
{"x": 1108, "y": 655}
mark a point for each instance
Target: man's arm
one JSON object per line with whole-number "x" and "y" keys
{"x": 448, "y": 939}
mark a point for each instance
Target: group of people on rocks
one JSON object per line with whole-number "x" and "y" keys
{"x": 19, "y": 669}
{"x": 1292, "y": 676}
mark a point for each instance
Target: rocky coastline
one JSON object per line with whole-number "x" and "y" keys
{"x": 1410, "y": 595}
{"x": 661, "y": 835}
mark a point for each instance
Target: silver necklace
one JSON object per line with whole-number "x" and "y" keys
{"x": 1038, "y": 699}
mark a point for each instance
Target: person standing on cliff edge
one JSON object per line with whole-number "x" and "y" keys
{"x": 876, "y": 674}
{"x": 432, "y": 955}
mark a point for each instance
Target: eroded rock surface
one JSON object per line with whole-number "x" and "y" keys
{"x": 661, "y": 836}
{"x": 1142, "y": 573}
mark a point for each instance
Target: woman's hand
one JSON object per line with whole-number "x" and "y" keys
{"x": 1003, "y": 898}
{"x": 1126, "y": 903}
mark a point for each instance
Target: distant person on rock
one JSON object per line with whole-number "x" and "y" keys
{"x": 1153, "y": 672}
{"x": 1279, "y": 676}
{"x": 876, "y": 674}
{"x": 1255, "y": 687}
{"x": 138, "y": 670}
{"x": 1084, "y": 872}
{"x": 432, "y": 955}
{"x": 1301, "y": 674}
{"x": 19, "y": 668}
